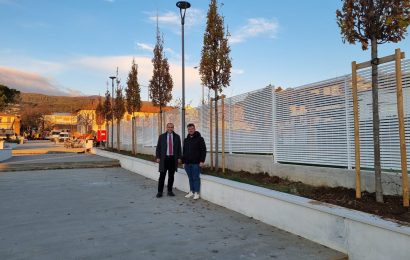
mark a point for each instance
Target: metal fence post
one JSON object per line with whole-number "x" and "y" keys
{"x": 349, "y": 162}
{"x": 274, "y": 143}
{"x": 142, "y": 131}
{"x": 152, "y": 131}
{"x": 230, "y": 127}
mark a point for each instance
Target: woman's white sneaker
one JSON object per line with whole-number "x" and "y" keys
{"x": 196, "y": 195}
{"x": 189, "y": 195}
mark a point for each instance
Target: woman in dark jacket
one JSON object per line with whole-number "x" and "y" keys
{"x": 194, "y": 154}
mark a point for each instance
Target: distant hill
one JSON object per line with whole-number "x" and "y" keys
{"x": 65, "y": 104}
{"x": 32, "y": 107}
{"x": 53, "y": 104}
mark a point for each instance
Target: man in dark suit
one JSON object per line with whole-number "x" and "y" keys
{"x": 168, "y": 154}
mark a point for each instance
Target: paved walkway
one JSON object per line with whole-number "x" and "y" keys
{"x": 111, "y": 213}
{"x": 43, "y": 147}
{"x": 56, "y": 161}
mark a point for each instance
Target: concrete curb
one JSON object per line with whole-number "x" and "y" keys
{"x": 58, "y": 166}
{"x": 358, "y": 234}
{"x": 47, "y": 151}
{"x": 5, "y": 154}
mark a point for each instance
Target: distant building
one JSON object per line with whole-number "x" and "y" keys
{"x": 86, "y": 121}
{"x": 86, "y": 118}
{"x": 9, "y": 124}
{"x": 62, "y": 121}
{"x": 147, "y": 108}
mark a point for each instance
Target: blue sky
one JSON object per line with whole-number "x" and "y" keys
{"x": 71, "y": 47}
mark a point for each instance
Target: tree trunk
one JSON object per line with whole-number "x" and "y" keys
{"x": 133, "y": 134}
{"x": 160, "y": 121}
{"x": 118, "y": 135}
{"x": 107, "y": 135}
{"x": 216, "y": 131}
{"x": 376, "y": 123}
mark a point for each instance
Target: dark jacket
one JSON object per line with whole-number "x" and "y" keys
{"x": 194, "y": 149}
{"x": 161, "y": 151}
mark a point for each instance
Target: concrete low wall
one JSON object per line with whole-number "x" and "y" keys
{"x": 358, "y": 234}
{"x": 312, "y": 175}
{"x": 5, "y": 154}
{"x": 140, "y": 149}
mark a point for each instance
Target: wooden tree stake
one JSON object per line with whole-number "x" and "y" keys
{"x": 400, "y": 115}
{"x": 210, "y": 134}
{"x": 356, "y": 130}
{"x": 223, "y": 133}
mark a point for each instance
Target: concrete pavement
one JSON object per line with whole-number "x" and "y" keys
{"x": 45, "y": 155}
{"x": 56, "y": 161}
{"x": 112, "y": 213}
{"x": 43, "y": 147}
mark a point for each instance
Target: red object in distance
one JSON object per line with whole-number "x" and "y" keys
{"x": 101, "y": 135}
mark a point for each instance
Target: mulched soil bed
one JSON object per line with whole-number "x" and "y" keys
{"x": 392, "y": 208}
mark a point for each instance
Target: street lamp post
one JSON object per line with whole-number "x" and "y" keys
{"x": 183, "y": 5}
{"x": 112, "y": 112}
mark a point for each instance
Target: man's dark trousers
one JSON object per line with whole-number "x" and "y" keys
{"x": 170, "y": 167}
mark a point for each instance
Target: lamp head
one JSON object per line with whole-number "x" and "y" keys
{"x": 183, "y": 5}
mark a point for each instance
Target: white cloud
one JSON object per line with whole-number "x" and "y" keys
{"x": 108, "y": 64}
{"x": 11, "y": 58}
{"x": 254, "y": 28}
{"x": 23, "y": 78}
{"x": 167, "y": 18}
{"x": 145, "y": 46}
{"x": 173, "y": 55}
{"x": 169, "y": 53}
{"x": 32, "y": 83}
{"x": 193, "y": 17}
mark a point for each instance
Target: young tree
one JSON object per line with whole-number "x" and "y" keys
{"x": 99, "y": 113}
{"x": 8, "y": 96}
{"x": 133, "y": 96}
{"x": 107, "y": 112}
{"x": 161, "y": 83}
{"x": 215, "y": 66}
{"x": 375, "y": 22}
{"x": 31, "y": 118}
{"x": 119, "y": 110}
{"x": 35, "y": 117}
{"x": 85, "y": 118}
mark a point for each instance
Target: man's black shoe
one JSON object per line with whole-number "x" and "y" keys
{"x": 170, "y": 193}
{"x": 159, "y": 195}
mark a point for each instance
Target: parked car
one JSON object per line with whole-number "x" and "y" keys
{"x": 63, "y": 136}
{"x": 55, "y": 135}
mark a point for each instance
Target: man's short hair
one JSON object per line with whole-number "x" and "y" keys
{"x": 190, "y": 125}
{"x": 170, "y": 124}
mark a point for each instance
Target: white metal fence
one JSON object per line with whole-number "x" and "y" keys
{"x": 312, "y": 124}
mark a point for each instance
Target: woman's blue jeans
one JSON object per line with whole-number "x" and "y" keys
{"x": 193, "y": 171}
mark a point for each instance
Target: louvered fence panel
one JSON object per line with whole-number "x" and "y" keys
{"x": 310, "y": 124}
{"x": 389, "y": 128}
{"x": 248, "y": 122}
